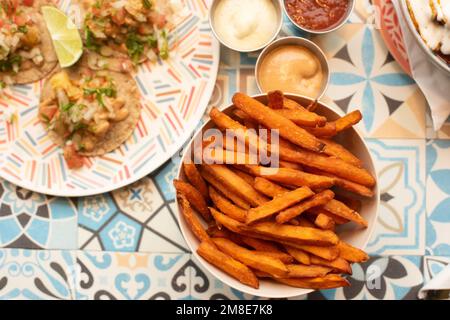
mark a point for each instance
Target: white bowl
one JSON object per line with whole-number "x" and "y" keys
{"x": 355, "y": 236}
{"x": 438, "y": 61}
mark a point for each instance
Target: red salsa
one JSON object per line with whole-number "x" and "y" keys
{"x": 317, "y": 14}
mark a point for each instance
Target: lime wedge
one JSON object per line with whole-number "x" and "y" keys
{"x": 65, "y": 36}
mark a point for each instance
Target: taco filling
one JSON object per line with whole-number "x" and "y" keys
{"x": 88, "y": 113}
{"x": 21, "y": 43}
{"x": 132, "y": 28}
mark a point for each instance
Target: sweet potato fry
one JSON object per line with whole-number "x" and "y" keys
{"x": 335, "y": 149}
{"x": 328, "y": 253}
{"x": 236, "y": 199}
{"x": 351, "y": 253}
{"x": 260, "y": 245}
{"x": 292, "y": 177}
{"x": 317, "y": 200}
{"x": 278, "y": 203}
{"x": 191, "y": 219}
{"x": 328, "y": 164}
{"x": 339, "y": 264}
{"x": 249, "y": 137}
{"x": 272, "y": 120}
{"x": 302, "y": 117}
{"x": 304, "y": 222}
{"x": 194, "y": 197}
{"x": 299, "y": 255}
{"x": 269, "y": 188}
{"x": 328, "y": 130}
{"x": 256, "y": 261}
{"x": 227, "y": 207}
{"x": 324, "y": 222}
{"x": 291, "y": 104}
{"x": 295, "y": 234}
{"x": 348, "y": 121}
{"x": 340, "y": 209}
{"x": 227, "y": 222}
{"x": 194, "y": 177}
{"x": 247, "y": 177}
{"x": 344, "y": 183}
{"x": 214, "y": 156}
{"x": 283, "y": 257}
{"x": 227, "y": 264}
{"x": 290, "y": 165}
{"x": 235, "y": 183}
{"x": 241, "y": 115}
{"x": 352, "y": 203}
{"x": 276, "y": 99}
{"x": 214, "y": 231}
{"x": 338, "y": 220}
{"x": 329, "y": 281}
{"x": 302, "y": 271}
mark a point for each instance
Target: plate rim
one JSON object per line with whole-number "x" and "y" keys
{"x": 437, "y": 61}
{"x": 211, "y": 83}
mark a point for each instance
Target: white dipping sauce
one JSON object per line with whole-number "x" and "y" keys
{"x": 245, "y": 25}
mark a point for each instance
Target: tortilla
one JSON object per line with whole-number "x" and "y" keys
{"x": 119, "y": 131}
{"x": 37, "y": 73}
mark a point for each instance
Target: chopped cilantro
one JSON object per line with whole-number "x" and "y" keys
{"x": 135, "y": 47}
{"x": 147, "y": 4}
{"x": 90, "y": 40}
{"x": 23, "y": 29}
{"x": 8, "y": 64}
{"x": 66, "y": 107}
{"x": 99, "y": 93}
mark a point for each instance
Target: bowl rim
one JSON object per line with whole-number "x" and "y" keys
{"x": 338, "y": 26}
{"x": 439, "y": 62}
{"x": 279, "y": 9}
{"x": 300, "y": 41}
{"x": 213, "y": 269}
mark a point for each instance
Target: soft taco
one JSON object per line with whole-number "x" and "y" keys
{"x": 89, "y": 113}
{"x": 26, "y": 49}
{"x": 123, "y": 33}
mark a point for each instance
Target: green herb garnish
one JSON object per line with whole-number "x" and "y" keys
{"x": 90, "y": 40}
{"x": 8, "y": 64}
{"x": 99, "y": 93}
{"x": 66, "y": 107}
{"x": 147, "y": 4}
{"x": 135, "y": 47}
{"x": 23, "y": 29}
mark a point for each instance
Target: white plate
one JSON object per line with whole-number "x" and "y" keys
{"x": 352, "y": 234}
{"x": 175, "y": 94}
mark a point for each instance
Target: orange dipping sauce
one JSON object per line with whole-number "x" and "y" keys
{"x": 317, "y": 15}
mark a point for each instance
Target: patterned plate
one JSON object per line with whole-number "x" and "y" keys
{"x": 392, "y": 33}
{"x": 175, "y": 94}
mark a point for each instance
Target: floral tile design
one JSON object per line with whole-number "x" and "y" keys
{"x": 37, "y": 274}
{"x": 132, "y": 276}
{"x": 366, "y": 77}
{"x": 35, "y": 221}
{"x": 433, "y": 265}
{"x": 380, "y": 278}
{"x": 135, "y": 218}
{"x": 401, "y": 177}
{"x": 443, "y": 133}
{"x": 438, "y": 198}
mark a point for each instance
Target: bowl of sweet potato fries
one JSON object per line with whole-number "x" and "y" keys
{"x": 292, "y": 224}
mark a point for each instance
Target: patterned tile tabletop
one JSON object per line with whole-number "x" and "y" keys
{"x": 127, "y": 244}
